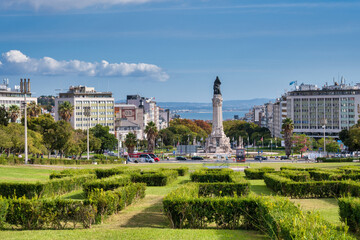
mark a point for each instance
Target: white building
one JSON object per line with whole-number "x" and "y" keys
{"x": 15, "y": 96}
{"x": 81, "y": 97}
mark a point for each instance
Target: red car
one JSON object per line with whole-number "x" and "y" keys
{"x": 154, "y": 157}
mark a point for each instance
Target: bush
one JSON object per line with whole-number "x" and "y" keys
{"x": 298, "y": 169}
{"x": 219, "y": 189}
{"x": 297, "y": 176}
{"x": 277, "y": 217}
{"x": 350, "y": 212}
{"x": 212, "y": 175}
{"x": 160, "y": 178}
{"x": 55, "y": 213}
{"x": 44, "y": 189}
{"x": 109, "y": 202}
{"x": 182, "y": 171}
{"x": 334, "y": 159}
{"x": 106, "y": 183}
{"x": 105, "y": 173}
{"x": 311, "y": 189}
{"x": 257, "y": 173}
{"x": 3, "y": 211}
{"x": 71, "y": 172}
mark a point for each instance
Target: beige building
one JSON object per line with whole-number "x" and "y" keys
{"x": 101, "y": 106}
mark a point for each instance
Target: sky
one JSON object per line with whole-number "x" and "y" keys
{"x": 174, "y": 49}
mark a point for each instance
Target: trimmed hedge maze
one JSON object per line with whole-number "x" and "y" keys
{"x": 107, "y": 191}
{"x": 190, "y": 206}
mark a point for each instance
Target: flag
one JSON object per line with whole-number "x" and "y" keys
{"x": 293, "y": 82}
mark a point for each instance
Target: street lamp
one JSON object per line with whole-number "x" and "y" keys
{"x": 87, "y": 114}
{"x": 324, "y": 122}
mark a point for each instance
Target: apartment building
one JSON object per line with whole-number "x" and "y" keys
{"x": 90, "y": 107}
{"x": 336, "y": 107}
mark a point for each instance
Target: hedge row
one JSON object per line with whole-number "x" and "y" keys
{"x": 71, "y": 172}
{"x": 334, "y": 175}
{"x": 106, "y": 183}
{"x": 220, "y": 189}
{"x": 311, "y": 189}
{"x": 182, "y": 171}
{"x": 57, "y": 161}
{"x": 297, "y": 176}
{"x": 44, "y": 189}
{"x": 277, "y": 217}
{"x": 109, "y": 202}
{"x": 160, "y": 178}
{"x": 105, "y": 173}
{"x": 257, "y": 173}
{"x": 58, "y": 213}
{"x": 350, "y": 212}
{"x": 212, "y": 175}
{"x": 298, "y": 169}
{"x": 322, "y": 159}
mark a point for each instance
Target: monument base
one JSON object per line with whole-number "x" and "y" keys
{"x": 217, "y": 144}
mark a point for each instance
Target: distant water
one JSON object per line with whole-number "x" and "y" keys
{"x": 208, "y": 115}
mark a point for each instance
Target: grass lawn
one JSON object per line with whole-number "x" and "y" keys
{"x": 145, "y": 218}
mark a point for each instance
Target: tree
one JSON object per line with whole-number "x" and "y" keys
{"x": 151, "y": 134}
{"x": 4, "y": 116}
{"x": 66, "y": 110}
{"x": 167, "y": 136}
{"x": 60, "y": 135}
{"x": 14, "y": 112}
{"x": 301, "y": 143}
{"x": 130, "y": 142}
{"x": 108, "y": 140}
{"x": 287, "y": 127}
{"x": 33, "y": 110}
{"x": 331, "y": 145}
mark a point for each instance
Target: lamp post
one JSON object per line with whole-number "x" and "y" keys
{"x": 87, "y": 114}
{"x": 25, "y": 125}
{"x": 324, "y": 122}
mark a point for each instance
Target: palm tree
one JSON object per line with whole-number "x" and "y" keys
{"x": 66, "y": 110}
{"x": 287, "y": 127}
{"x": 151, "y": 134}
{"x": 33, "y": 110}
{"x": 130, "y": 142}
{"x": 14, "y": 111}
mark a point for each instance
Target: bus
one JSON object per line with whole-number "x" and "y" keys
{"x": 240, "y": 155}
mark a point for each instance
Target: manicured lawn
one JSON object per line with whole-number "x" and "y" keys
{"x": 145, "y": 219}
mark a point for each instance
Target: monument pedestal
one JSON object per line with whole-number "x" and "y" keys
{"x": 217, "y": 142}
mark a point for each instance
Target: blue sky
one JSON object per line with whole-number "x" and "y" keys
{"x": 173, "y": 50}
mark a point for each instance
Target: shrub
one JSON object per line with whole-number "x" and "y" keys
{"x": 298, "y": 169}
{"x": 212, "y": 175}
{"x": 109, "y": 202}
{"x": 3, "y": 211}
{"x": 105, "y": 173}
{"x": 257, "y": 173}
{"x": 160, "y": 178}
{"x": 297, "y": 176}
{"x": 322, "y": 159}
{"x": 41, "y": 189}
{"x": 224, "y": 189}
{"x": 106, "y": 183}
{"x": 350, "y": 212}
{"x": 182, "y": 171}
{"x": 71, "y": 172}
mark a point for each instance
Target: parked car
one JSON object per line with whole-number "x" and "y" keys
{"x": 260, "y": 158}
{"x": 284, "y": 157}
{"x": 197, "y": 158}
{"x": 181, "y": 158}
{"x": 154, "y": 157}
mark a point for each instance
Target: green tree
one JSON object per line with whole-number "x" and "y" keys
{"x": 287, "y": 128}
{"x": 108, "y": 140}
{"x": 167, "y": 136}
{"x": 33, "y": 110}
{"x": 301, "y": 143}
{"x": 4, "y": 116}
{"x": 66, "y": 110}
{"x": 14, "y": 112}
{"x": 60, "y": 135}
{"x": 151, "y": 134}
{"x": 331, "y": 145}
{"x": 130, "y": 142}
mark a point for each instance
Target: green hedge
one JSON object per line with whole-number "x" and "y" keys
{"x": 257, "y": 173}
{"x": 106, "y": 183}
{"x": 277, "y": 217}
{"x": 44, "y": 189}
{"x": 350, "y": 212}
{"x": 212, "y": 175}
{"x": 298, "y": 169}
{"x": 71, "y": 172}
{"x": 224, "y": 189}
{"x": 57, "y": 161}
{"x": 105, "y": 173}
{"x": 109, "y": 202}
{"x": 182, "y": 171}
{"x": 311, "y": 189}
{"x": 297, "y": 176}
{"x": 160, "y": 178}
{"x": 322, "y": 159}
{"x": 334, "y": 175}
{"x": 58, "y": 213}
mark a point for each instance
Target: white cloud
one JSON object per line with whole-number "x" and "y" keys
{"x": 15, "y": 62}
{"x": 68, "y": 4}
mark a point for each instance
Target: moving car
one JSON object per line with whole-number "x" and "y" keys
{"x": 197, "y": 158}
{"x": 154, "y": 157}
{"x": 260, "y": 158}
{"x": 181, "y": 158}
{"x": 284, "y": 157}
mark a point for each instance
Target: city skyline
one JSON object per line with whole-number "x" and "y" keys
{"x": 174, "y": 50}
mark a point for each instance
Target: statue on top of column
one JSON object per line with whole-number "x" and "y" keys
{"x": 217, "y": 84}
